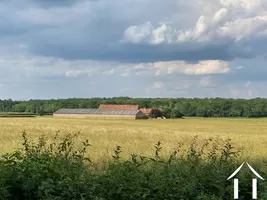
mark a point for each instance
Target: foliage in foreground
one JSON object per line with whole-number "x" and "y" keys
{"x": 57, "y": 170}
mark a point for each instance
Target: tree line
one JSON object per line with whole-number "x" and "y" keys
{"x": 194, "y": 107}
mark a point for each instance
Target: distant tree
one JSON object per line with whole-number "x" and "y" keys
{"x": 208, "y": 107}
{"x": 93, "y": 104}
{"x": 20, "y": 108}
{"x": 184, "y": 107}
{"x": 201, "y": 111}
{"x": 156, "y": 113}
{"x": 167, "y": 113}
{"x": 41, "y": 112}
{"x": 175, "y": 113}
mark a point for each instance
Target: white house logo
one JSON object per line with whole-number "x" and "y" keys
{"x": 254, "y": 181}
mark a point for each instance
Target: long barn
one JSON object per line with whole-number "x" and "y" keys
{"x": 118, "y": 107}
{"x": 84, "y": 113}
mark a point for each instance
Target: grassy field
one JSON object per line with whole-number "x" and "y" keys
{"x": 63, "y": 174}
{"x": 138, "y": 136}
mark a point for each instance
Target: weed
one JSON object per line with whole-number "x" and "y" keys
{"x": 59, "y": 170}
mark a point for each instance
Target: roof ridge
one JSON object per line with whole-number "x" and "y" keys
{"x": 95, "y": 111}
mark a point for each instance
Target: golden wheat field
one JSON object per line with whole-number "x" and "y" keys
{"x": 137, "y": 136}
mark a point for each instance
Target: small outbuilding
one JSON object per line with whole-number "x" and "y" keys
{"x": 84, "y": 113}
{"x": 147, "y": 111}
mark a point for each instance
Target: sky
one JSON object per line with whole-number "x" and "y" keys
{"x": 136, "y": 48}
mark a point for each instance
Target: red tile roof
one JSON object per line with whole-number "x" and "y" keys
{"x": 146, "y": 111}
{"x": 117, "y": 107}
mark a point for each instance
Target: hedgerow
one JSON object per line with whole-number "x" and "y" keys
{"x": 57, "y": 170}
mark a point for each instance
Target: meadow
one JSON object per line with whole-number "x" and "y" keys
{"x": 181, "y": 166}
{"x": 138, "y": 136}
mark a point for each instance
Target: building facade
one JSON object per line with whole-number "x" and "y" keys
{"x": 85, "y": 113}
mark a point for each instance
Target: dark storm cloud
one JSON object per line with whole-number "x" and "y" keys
{"x": 95, "y": 34}
{"x": 73, "y": 29}
{"x": 135, "y": 53}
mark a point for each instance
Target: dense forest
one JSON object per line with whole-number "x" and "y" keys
{"x": 209, "y": 107}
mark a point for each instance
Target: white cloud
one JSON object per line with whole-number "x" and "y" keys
{"x": 137, "y": 34}
{"x": 109, "y": 72}
{"x": 187, "y": 27}
{"x": 148, "y": 33}
{"x": 220, "y": 16}
{"x": 240, "y": 67}
{"x": 247, "y": 5}
{"x": 201, "y": 68}
{"x": 126, "y": 72}
{"x": 74, "y": 73}
{"x": 222, "y": 24}
{"x": 177, "y": 78}
{"x": 217, "y": 30}
{"x": 20, "y": 65}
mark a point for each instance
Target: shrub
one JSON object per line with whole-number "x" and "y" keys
{"x": 58, "y": 171}
{"x": 42, "y": 171}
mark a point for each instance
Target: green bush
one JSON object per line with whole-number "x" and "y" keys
{"x": 59, "y": 171}
{"x": 16, "y": 114}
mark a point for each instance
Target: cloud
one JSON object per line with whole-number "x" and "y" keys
{"x": 44, "y": 77}
{"x": 201, "y": 68}
{"x": 240, "y": 33}
{"x": 221, "y": 30}
{"x": 239, "y": 67}
{"x": 33, "y": 66}
{"x": 183, "y": 48}
{"x": 78, "y": 30}
{"x": 147, "y": 32}
{"x": 221, "y": 23}
{"x": 74, "y": 73}
{"x": 109, "y": 72}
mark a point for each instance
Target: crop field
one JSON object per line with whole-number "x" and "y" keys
{"x": 55, "y": 169}
{"x": 138, "y": 136}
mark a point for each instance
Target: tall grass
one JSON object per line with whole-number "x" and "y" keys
{"x": 138, "y": 135}
{"x": 61, "y": 170}
{"x": 119, "y": 161}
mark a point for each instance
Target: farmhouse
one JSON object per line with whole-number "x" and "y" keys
{"x": 147, "y": 111}
{"x": 83, "y": 113}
